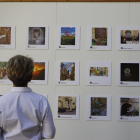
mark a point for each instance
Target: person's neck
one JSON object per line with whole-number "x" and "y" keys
{"x": 18, "y": 86}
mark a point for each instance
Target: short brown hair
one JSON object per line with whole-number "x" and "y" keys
{"x": 19, "y": 69}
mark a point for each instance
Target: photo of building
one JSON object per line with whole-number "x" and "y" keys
{"x": 99, "y": 37}
{"x": 98, "y": 106}
{"x": 36, "y": 36}
{"x": 5, "y": 35}
{"x": 129, "y": 36}
{"x": 129, "y": 107}
{"x": 99, "y": 71}
{"x": 66, "y": 105}
{"x": 67, "y": 71}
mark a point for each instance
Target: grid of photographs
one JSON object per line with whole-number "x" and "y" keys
{"x": 68, "y": 37}
{"x": 98, "y": 107}
{"x": 99, "y": 73}
{"x": 128, "y": 108}
{"x": 67, "y": 107}
{"x": 7, "y": 37}
{"x": 37, "y": 37}
{"x": 99, "y": 38}
{"x": 129, "y": 73}
{"x": 128, "y": 38}
{"x": 67, "y": 73}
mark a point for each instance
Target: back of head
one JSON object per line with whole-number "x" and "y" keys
{"x": 19, "y": 70}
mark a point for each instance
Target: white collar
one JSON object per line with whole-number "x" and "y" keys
{"x": 21, "y": 89}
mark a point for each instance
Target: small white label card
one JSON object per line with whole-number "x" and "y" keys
{"x": 128, "y": 38}
{"x": 37, "y": 37}
{"x": 67, "y": 107}
{"x": 99, "y": 38}
{"x": 128, "y": 108}
{"x": 98, "y": 72}
{"x": 67, "y": 72}
{"x": 128, "y": 73}
{"x": 40, "y": 73}
{"x": 98, "y": 108}
{"x": 68, "y": 37}
{"x": 7, "y": 37}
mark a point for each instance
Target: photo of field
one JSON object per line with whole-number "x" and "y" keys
{"x": 99, "y": 71}
{"x": 129, "y": 107}
{"x": 39, "y": 71}
{"x": 99, "y": 37}
{"x": 36, "y": 36}
{"x": 67, "y": 71}
{"x": 3, "y": 75}
{"x": 5, "y": 35}
{"x": 67, "y": 35}
{"x": 98, "y": 106}
{"x": 66, "y": 105}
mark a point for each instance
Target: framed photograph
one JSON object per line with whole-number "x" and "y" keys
{"x": 37, "y": 37}
{"x": 67, "y": 72}
{"x": 98, "y": 107}
{"x": 128, "y": 108}
{"x": 98, "y": 72}
{"x": 68, "y": 37}
{"x": 40, "y": 73}
{"x": 7, "y": 37}
{"x": 67, "y": 107}
{"x": 99, "y": 38}
{"x": 128, "y": 38}
{"x": 128, "y": 74}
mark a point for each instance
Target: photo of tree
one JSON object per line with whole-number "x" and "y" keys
{"x": 99, "y": 37}
{"x": 5, "y": 35}
{"x": 129, "y": 107}
{"x": 66, "y": 105}
{"x": 3, "y": 75}
{"x": 39, "y": 71}
{"x": 98, "y": 106}
{"x": 67, "y": 71}
{"x": 67, "y": 35}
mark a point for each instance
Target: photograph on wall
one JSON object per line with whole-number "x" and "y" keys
{"x": 37, "y": 37}
{"x": 7, "y": 37}
{"x": 67, "y": 73}
{"x": 98, "y": 107}
{"x": 67, "y": 107}
{"x": 98, "y": 72}
{"x": 99, "y": 38}
{"x": 3, "y": 76}
{"x": 68, "y": 37}
{"x": 128, "y": 108}
{"x": 40, "y": 73}
{"x": 128, "y": 38}
{"x": 129, "y": 74}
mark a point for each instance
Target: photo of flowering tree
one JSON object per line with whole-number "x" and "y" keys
{"x": 99, "y": 37}
{"x": 67, "y": 35}
{"x": 3, "y": 75}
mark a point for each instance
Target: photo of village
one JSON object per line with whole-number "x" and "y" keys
{"x": 130, "y": 72}
{"x": 129, "y": 107}
{"x": 67, "y": 35}
{"x": 99, "y": 71}
{"x": 99, "y": 37}
{"x": 67, "y": 71}
{"x": 5, "y": 35}
{"x": 36, "y": 36}
{"x": 3, "y": 75}
{"x": 39, "y": 71}
{"x": 98, "y": 106}
{"x": 66, "y": 105}
{"x": 129, "y": 36}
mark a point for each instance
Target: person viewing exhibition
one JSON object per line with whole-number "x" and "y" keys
{"x": 24, "y": 114}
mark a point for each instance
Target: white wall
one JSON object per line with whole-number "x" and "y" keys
{"x": 82, "y": 14}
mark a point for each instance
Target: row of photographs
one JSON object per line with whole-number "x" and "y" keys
{"x": 67, "y": 73}
{"x": 97, "y": 107}
{"x": 98, "y": 38}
